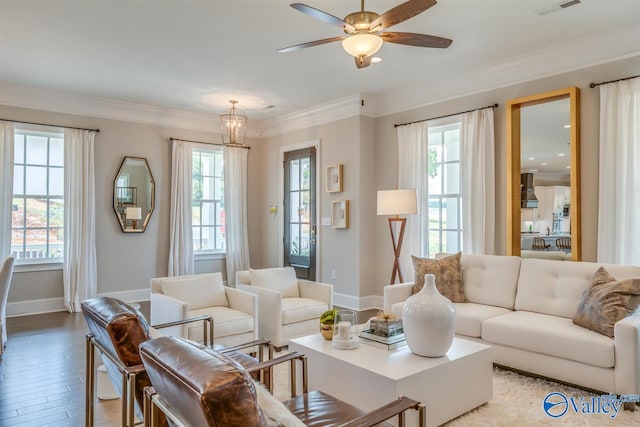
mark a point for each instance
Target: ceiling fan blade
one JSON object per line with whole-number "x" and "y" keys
{"x": 400, "y": 13}
{"x": 363, "y": 61}
{"x": 323, "y": 16}
{"x": 413, "y": 39}
{"x": 310, "y": 44}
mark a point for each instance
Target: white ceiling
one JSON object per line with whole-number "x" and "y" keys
{"x": 195, "y": 55}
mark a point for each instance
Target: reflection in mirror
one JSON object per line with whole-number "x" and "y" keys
{"x": 543, "y": 162}
{"x": 133, "y": 194}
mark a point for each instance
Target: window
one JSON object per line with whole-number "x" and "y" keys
{"x": 208, "y": 201}
{"x": 37, "y": 217}
{"x": 445, "y": 199}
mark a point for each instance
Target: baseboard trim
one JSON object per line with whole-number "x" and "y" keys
{"x": 51, "y": 305}
{"x": 35, "y": 306}
{"x": 368, "y": 302}
{"x": 134, "y": 295}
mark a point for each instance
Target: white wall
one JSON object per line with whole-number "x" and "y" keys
{"x": 126, "y": 261}
{"x": 345, "y": 251}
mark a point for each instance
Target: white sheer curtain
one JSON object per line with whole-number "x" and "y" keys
{"x": 235, "y": 209}
{"x": 180, "y": 232}
{"x": 412, "y": 161}
{"x": 80, "y": 274}
{"x": 618, "y": 201}
{"x": 6, "y": 186}
{"x": 477, "y": 161}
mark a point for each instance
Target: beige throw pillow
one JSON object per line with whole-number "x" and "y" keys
{"x": 605, "y": 301}
{"x": 448, "y": 272}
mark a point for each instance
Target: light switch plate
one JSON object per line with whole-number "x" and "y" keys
{"x": 326, "y": 221}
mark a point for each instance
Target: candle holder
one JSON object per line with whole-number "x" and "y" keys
{"x": 345, "y": 330}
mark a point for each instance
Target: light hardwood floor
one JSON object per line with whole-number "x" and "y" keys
{"x": 42, "y": 372}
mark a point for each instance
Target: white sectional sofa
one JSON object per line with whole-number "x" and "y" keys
{"x": 524, "y": 308}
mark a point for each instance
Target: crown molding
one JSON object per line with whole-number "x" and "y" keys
{"x": 342, "y": 108}
{"x": 71, "y": 103}
{"x": 565, "y": 57}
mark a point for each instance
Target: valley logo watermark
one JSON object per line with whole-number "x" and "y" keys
{"x": 557, "y": 404}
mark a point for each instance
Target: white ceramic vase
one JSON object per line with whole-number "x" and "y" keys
{"x": 429, "y": 320}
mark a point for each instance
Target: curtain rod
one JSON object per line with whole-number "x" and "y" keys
{"x": 447, "y": 115}
{"x": 592, "y": 85}
{"x": 46, "y": 124}
{"x": 211, "y": 143}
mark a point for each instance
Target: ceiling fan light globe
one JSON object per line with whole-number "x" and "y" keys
{"x": 362, "y": 44}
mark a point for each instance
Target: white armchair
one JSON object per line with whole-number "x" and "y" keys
{"x": 288, "y": 307}
{"x": 234, "y": 312}
{"x": 6, "y": 272}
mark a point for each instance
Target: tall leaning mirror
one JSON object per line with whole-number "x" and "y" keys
{"x": 133, "y": 194}
{"x": 543, "y": 175}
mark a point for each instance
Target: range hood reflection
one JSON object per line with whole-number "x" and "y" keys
{"x": 527, "y": 196}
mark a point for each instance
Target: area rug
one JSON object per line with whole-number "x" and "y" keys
{"x": 517, "y": 401}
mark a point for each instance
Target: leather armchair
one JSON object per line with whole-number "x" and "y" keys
{"x": 234, "y": 312}
{"x": 195, "y": 386}
{"x": 287, "y": 307}
{"x": 117, "y": 330}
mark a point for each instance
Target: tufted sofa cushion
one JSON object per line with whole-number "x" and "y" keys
{"x": 555, "y": 287}
{"x": 490, "y": 279}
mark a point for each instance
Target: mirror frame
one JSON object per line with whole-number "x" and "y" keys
{"x": 514, "y": 107}
{"x": 153, "y": 196}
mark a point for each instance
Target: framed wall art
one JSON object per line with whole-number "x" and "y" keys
{"x": 340, "y": 214}
{"x": 334, "y": 178}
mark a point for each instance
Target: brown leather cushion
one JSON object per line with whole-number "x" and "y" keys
{"x": 207, "y": 388}
{"x": 117, "y": 326}
{"x": 120, "y": 329}
{"x": 320, "y": 409}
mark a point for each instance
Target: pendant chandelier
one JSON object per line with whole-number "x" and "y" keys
{"x": 234, "y": 126}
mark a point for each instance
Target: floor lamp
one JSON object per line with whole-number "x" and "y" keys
{"x": 396, "y": 203}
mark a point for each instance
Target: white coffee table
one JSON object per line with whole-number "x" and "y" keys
{"x": 369, "y": 377}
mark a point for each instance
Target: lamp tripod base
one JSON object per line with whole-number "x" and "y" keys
{"x": 397, "y": 247}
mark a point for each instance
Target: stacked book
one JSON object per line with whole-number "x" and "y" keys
{"x": 391, "y": 342}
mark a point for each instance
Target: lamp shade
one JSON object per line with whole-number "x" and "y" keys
{"x": 133, "y": 213}
{"x": 397, "y": 202}
{"x": 362, "y": 44}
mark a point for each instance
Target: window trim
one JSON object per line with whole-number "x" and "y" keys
{"x": 207, "y": 254}
{"x": 39, "y": 264}
{"x": 441, "y": 126}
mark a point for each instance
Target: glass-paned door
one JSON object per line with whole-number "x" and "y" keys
{"x": 300, "y": 211}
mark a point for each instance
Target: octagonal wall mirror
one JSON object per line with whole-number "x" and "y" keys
{"x": 543, "y": 175}
{"x": 133, "y": 194}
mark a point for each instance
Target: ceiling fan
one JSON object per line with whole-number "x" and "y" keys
{"x": 364, "y": 30}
